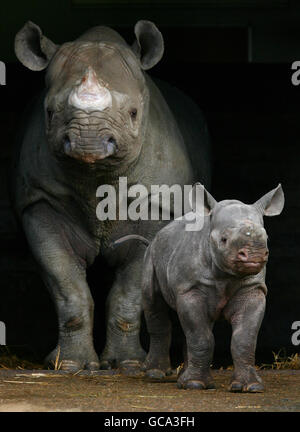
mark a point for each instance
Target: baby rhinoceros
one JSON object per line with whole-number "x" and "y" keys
{"x": 218, "y": 270}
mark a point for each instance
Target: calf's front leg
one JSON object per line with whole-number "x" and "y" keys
{"x": 245, "y": 311}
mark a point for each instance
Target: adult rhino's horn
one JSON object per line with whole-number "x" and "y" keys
{"x": 90, "y": 95}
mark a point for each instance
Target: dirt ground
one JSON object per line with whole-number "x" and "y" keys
{"x": 39, "y": 391}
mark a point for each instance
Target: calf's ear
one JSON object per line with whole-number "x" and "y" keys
{"x": 272, "y": 203}
{"x": 201, "y": 200}
{"x": 149, "y": 44}
{"x": 32, "y": 48}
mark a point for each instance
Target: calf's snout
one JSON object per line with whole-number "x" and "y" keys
{"x": 244, "y": 254}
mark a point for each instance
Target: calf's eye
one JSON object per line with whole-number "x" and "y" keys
{"x": 223, "y": 240}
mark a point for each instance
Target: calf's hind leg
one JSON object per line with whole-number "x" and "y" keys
{"x": 157, "y": 363}
{"x": 197, "y": 327}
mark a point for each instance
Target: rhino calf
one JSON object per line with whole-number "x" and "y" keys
{"x": 219, "y": 270}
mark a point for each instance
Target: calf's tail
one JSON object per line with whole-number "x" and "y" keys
{"x": 129, "y": 237}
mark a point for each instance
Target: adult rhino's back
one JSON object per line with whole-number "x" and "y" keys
{"x": 193, "y": 127}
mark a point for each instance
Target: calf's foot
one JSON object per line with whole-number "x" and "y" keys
{"x": 246, "y": 381}
{"x": 157, "y": 367}
{"x": 195, "y": 380}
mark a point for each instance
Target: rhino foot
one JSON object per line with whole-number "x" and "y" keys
{"x": 126, "y": 367}
{"x": 72, "y": 360}
{"x": 156, "y": 368}
{"x": 195, "y": 380}
{"x": 125, "y": 358}
{"x": 246, "y": 382}
{"x": 240, "y": 387}
{"x": 106, "y": 365}
{"x": 158, "y": 374}
{"x": 130, "y": 367}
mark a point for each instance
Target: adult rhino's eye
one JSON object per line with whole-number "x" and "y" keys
{"x": 223, "y": 240}
{"x": 133, "y": 113}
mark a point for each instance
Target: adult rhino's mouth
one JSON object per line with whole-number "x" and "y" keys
{"x": 90, "y": 149}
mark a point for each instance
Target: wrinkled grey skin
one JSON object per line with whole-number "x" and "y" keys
{"x": 219, "y": 270}
{"x": 67, "y": 152}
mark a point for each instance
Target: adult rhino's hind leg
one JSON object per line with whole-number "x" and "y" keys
{"x": 123, "y": 311}
{"x": 65, "y": 278}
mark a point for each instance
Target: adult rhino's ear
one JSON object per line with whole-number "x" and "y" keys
{"x": 272, "y": 203}
{"x": 201, "y": 200}
{"x": 149, "y": 44}
{"x": 32, "y": 48}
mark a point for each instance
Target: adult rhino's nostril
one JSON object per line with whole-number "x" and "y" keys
{"x": 68, "y": 147}
{"x": 242, "y": 255}
{"x": 111, "y": 140}
{"x": 110, "y": 144}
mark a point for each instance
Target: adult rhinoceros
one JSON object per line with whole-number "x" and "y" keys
{"x": 100, "y": 118}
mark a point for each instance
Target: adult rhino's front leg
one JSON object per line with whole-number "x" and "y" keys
{"x": 65, "y": 276}
{"x": 124, "y": 310}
